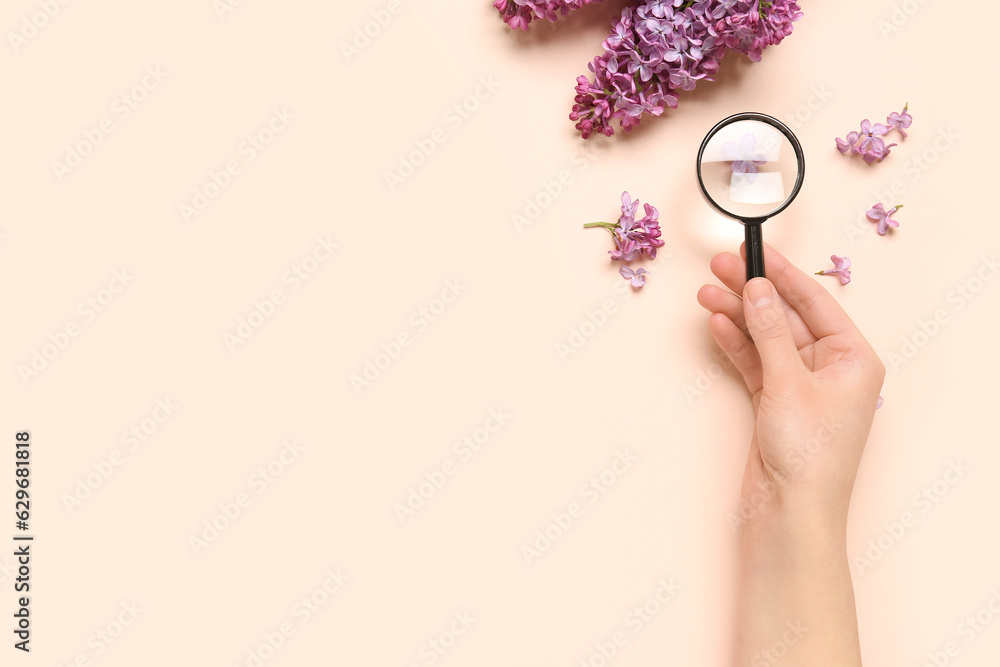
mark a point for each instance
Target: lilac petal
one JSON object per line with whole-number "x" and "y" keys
{"x": 626, "y": 272}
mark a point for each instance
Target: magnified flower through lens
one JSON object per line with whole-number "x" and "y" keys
{"x": 744, "y": 155}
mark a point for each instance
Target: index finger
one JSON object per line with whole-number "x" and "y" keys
{"x": 817, "y": 307}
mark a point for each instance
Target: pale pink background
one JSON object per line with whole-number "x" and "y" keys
{"x": 495, "y": 346}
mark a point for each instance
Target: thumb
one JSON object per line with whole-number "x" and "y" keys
{"x": 768, "y": 326}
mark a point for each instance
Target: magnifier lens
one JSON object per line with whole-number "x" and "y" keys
{"x": 748, "y": 169}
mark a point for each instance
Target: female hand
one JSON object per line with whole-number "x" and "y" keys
{"x": 814, "y": 379}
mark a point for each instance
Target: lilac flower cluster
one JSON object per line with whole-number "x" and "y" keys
{"x": 750, "y": 27}
{"x": 662, "y": 47}
{"x": 519, "y": 13}
{"x": 633, "y": 237}
{"x": 869, "y": 142}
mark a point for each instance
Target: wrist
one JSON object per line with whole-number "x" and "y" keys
{"x": 774, "y": 503}
{"x": 800, "y": 529}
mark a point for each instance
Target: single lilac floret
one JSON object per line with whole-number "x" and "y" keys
{"x": 744, "y": 155}
{"x": 900, "y": 121}
{"x": 882, "y": 217}
{"x": 638, "y": 277}
{"x": 842, "y": 270}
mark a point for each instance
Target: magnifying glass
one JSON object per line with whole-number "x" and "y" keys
{"x": 750, "y": 167}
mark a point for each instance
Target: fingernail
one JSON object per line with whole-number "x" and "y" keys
{"x": 760, "y": 292}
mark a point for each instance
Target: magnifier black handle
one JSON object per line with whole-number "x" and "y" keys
{"x": 755, "y": 251}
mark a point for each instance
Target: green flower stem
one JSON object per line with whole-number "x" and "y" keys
{"x": 607, "y": 225}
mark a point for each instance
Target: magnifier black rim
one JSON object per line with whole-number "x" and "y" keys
{"x": 792, "y": 139}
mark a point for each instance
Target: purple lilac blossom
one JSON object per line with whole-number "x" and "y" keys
{"x": 882, "y": 217}
{"x": 900, "y": 121}
{"x": 665, "y": 46}
{"x": 870, "y": 136}
{"x": 743, "y": 155}
{"x": 519, "y": 13}
{"x": 638, "y": 277}
{"x": 633, "y": 237}
{"x": 842, "y": 270}
{"x": 869, "y": 142}
{"x": 849, "y": 143}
